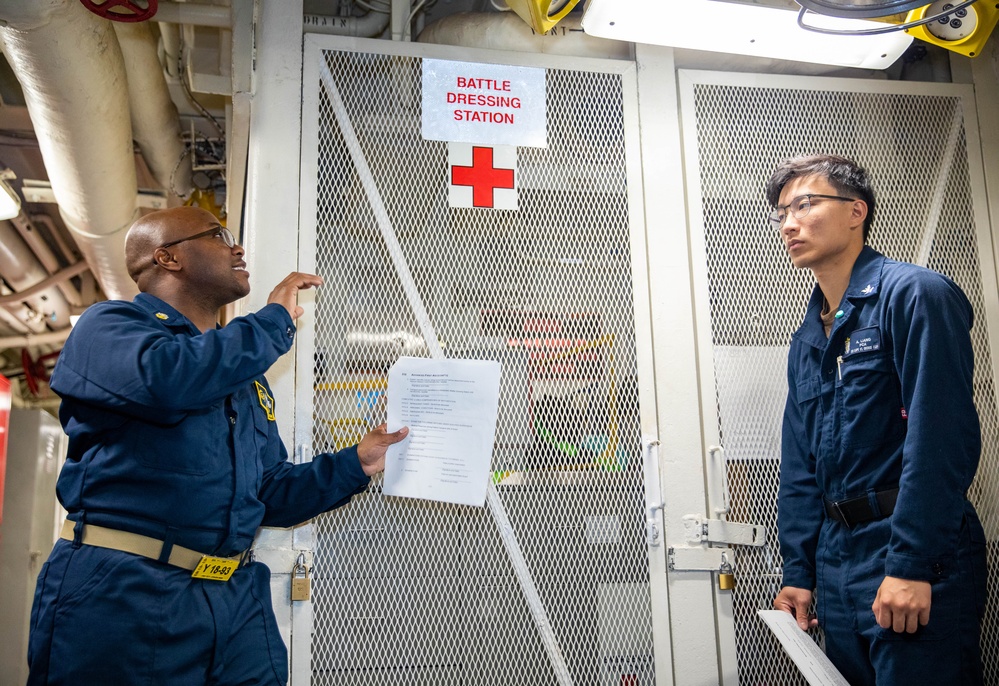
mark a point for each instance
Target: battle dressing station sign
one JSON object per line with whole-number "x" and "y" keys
{"x": 493, "y": 104}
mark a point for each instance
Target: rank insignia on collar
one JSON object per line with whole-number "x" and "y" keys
{"x": 867, "y": 289}
{"x": 160, "y": 315}
{"x": 266, "y": 400}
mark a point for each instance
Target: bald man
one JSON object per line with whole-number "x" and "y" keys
{"x": 174, "y": 463}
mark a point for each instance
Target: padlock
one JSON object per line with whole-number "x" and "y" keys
{"x": 301, "y": 585}
{"x": 726, "y": 578}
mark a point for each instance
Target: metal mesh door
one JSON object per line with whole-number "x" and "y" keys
{"x": 914, "y": 146}
{"x": 417, "y": 592}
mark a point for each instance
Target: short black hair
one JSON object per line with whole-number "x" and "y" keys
{"x": 848, "y": 177}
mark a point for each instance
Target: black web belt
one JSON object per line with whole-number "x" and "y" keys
{"x": 853, "y": 511}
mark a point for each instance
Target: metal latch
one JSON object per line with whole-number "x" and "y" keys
{"x": 652, "y": 525}
{"x": 701, "y": 530}
{"x": 680, "y": 559}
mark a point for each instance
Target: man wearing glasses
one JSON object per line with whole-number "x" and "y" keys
{"x": 174, "y": 462}
{"x": 880, "y": 443}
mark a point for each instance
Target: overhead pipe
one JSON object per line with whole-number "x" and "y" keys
{"x": 43, "y": 285}
{"x": 507, "y": 31}
{"x": 170, "y": 49}
{"x": 72, "y": 74}
{"x": 10, "y": 324}
{"x": 400, "y": 20}
{"x": 34, "y": 340}
{"x": 366, "y": 26}
{"x": 44, "y": 254}
{"x": 42, "y": 310}
{"x": 193, "y": 14}
{"x": 69, "y": 254}
{"x": 154, "y": 117}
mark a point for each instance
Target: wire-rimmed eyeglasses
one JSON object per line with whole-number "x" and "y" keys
{"x": 220, "y": 231}
{"x": 799, "y": 207}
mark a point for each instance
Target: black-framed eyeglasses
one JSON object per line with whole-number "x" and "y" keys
{"x": 220, "y": 231}
{"x": 799, "y": 207}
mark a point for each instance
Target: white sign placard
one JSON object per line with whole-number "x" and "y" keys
{"x": 494, "y": 104}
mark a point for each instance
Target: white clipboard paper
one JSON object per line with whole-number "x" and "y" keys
{"x": 450, "y": 407}
{"x": 813, "y": 664}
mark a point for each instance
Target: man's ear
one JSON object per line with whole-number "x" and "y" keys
{"x": 165, "y": 259}
{"x": 859, "y": 213}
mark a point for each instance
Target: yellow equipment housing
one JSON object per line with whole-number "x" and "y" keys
{"x": 967, "y": 38}
{"x": 539, "y": 13}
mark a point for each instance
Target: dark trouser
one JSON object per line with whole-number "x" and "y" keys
{"x": 105, "y": 617}
{"x": 850, "y": 568}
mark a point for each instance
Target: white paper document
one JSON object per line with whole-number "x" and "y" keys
{"x": 450, "y": 408}
{"x": 799, "y": 646}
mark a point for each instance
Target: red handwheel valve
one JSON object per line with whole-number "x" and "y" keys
{"x": 122, "y": 10}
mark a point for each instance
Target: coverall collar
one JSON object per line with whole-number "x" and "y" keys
{"x": 865, "y": 281}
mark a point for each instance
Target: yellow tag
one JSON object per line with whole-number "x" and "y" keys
{"x": 160, "y": 315}
{"x": 266, "y": 400}
{"x": 215, "y": 568}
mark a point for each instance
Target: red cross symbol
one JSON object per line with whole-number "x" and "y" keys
{"x": 482, "y": 177}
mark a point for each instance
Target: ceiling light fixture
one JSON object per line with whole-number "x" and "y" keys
{"x": 742, "y": 29}
{"x": 941, "y": 14}
{"x": 962, "y": 26}
{"x": 860, "y": 10}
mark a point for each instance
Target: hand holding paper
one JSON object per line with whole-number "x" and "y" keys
{"x": 371, "y": 450}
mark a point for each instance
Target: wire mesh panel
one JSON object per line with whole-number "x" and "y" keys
{"x": 417, "y": 592}
{"x": 914, "y": 147}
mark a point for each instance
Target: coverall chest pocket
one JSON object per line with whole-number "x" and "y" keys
{"x": 869, "y": 401}
{"x": 195, "y": 453}
{"x": 808, "y": 393}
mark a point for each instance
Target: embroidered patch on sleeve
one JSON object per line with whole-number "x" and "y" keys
{"x": 266, "y": 400}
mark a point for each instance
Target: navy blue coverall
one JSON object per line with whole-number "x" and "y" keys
{"x": 172, "y": 436}
{"x": 886, "y": 401}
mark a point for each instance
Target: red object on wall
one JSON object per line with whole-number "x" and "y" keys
{"x": 4, "y": 428}
{"x": 122, "y": 10}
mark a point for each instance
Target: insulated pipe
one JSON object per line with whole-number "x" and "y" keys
{"x": 507, "y": 31}
{"x": 170, "y": 40}
{"x": 68, "y": 254}
{"x": 34, "y": 340}
{"x": 54, "y": 280}
{"x": 400, "y": 18}
{"x": 10, "y": 323}
{"x": 155, "y": 121}
{"x": 44, "y": 254}
{"x": 73, "y": 78}
{"x": 371, "y": 24}
{"x": 22, "y": 270}
{"x": 195, "y": 15}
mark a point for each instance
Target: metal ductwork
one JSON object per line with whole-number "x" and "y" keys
{"x": 73, "y": 76}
